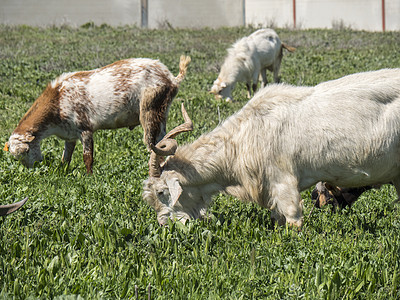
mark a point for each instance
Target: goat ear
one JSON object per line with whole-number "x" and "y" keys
{"x": 175, "y": 189}
{"x": 30, "y": 138}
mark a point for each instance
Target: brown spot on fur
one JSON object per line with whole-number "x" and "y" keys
{"x": 87, "y": 142}
{"x": 116, "y": 65}
{"x": 80, "y": 102}
{"x": 83, "y": 109}
{"x": 88, "y": 160}
{"x": 83, "y": 112}
{"x": 153, "y": 107}
{"x": 83, "y": 76}
{"x": 124, "y": 83}
{"x": 124, "y": 72}
{"x": 43, "y": 112}
{"x": 165, "y": 80}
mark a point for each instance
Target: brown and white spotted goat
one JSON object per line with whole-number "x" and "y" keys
{"x": 123, "y": 94}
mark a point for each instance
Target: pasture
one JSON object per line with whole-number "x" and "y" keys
{"x": 93, "y": 237}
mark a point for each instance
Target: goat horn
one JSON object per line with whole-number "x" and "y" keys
{"x": 9, "y": 208}
{"x": 167, "y": 146}
{"x": 163, "y": 148}
{"x": 154, "y": 165}
{"x": 187, "y": 126}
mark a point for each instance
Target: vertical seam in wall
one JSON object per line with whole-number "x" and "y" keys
{"x": 383, "y": 16}
{"x": 294, "y": 13}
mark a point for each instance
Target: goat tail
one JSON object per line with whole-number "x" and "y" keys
{"x": 288, "y": 48}
{"x": 183, "y": 65}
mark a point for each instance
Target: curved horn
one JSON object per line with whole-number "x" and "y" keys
{"x": 164, "y": 148}
{"x": 154, "y": 165}
{"x": 167, "y": 146}
{"x": 187, "y": 126}
{"x": 10, "y": 208}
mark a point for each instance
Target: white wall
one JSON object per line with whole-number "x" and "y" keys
{"x": 196, "y": 13}
{"x": 71, "y": 12}
{"x": 392, "y": 14}
{"x": 357, "y": 14}
{"x": 276, "y": 12}
{"x": 178, "y": 13}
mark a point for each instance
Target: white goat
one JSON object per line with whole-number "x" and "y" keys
{"x": 123, "y": 94}
{"x": 345, "y": 132}
{"x": 246, "y": 59}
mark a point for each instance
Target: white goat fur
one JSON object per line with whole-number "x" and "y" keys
{"x": 345, "y": 132}
{"x": 246, "y": 59}
{"x": 74, "y": 105}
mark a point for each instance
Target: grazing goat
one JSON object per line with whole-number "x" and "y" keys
{"x": 9, "y": 208}
{"x": 324, "y": 194}
{"x": 246, "y": 59}
{"x": 281, "y": 143}
{"x": 123, "y": 94}
{"x": 341, "y": 197}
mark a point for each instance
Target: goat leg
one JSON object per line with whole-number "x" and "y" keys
{"x": 248, "y": 90}
{"x": 87, "y": 142}
{"x": 68, "y": 150}
{"x": 264, "y": 77}
{"x": 254, "y": 86}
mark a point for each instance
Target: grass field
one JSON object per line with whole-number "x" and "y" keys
{"x": 93, "y": 237}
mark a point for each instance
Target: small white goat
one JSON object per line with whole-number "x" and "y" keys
{"x": 123, "y": 94}
{"x": 246, "y": 59}
{"x": 345, "y": 132}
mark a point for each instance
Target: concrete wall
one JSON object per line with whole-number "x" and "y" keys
{"x": 196, "y": 13}
{"x": 272, "y": 12}
{"x": 357, "y": 14}
{"x": 178, "y": 13}
{"x": 392, "y": 14}
{"x": 71, "y": 12}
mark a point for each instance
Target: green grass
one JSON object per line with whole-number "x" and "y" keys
{"x": 94, "y": 237}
